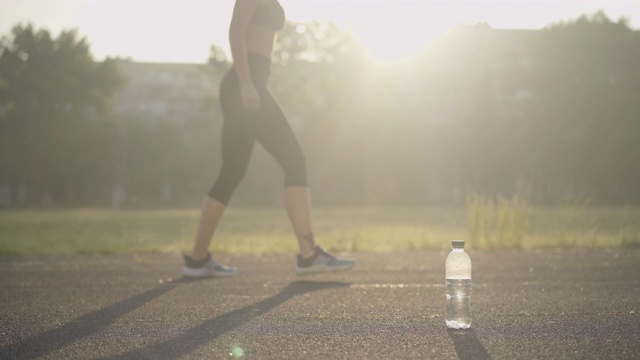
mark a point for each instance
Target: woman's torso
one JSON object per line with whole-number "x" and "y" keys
{"x": 268, "y": 18}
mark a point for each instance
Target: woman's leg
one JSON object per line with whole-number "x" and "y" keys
{"x": 298, "y": 205}
{"x": 210, "y": 216}
{"x": 274, "y": 133}
{"x": 237, "y": 146}
{"x": 271, "y": 129}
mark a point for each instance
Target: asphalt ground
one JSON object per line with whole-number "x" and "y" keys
{"x": 551, "y": 304}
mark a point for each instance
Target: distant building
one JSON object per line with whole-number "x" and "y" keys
{"x": 170, "y": 92}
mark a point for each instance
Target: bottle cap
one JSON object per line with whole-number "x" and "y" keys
{"x": 457, "y": 244}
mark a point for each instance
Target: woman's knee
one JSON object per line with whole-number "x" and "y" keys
{"x": 226, "y": 184}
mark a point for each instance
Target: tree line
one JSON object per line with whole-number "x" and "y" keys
{"x": 544, "y": 114}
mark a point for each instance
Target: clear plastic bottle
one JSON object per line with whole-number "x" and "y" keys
{"x": 458, "y": 287}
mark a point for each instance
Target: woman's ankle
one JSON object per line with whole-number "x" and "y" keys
{"x": 198, "y": 255}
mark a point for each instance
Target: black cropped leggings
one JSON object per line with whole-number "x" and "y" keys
{"x": 242, "y": 128}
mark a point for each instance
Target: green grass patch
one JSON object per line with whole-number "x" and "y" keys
{"x": 95, "y": 231}
{"x": 497, "y": 222}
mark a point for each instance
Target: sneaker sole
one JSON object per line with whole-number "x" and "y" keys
{"x": 322, "y": 269}
{"x": 202, "y": 273}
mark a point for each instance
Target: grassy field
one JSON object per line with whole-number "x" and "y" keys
{"x": 95, "y": 231}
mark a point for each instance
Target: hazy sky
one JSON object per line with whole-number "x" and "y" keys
{"x": 183, "y": 30}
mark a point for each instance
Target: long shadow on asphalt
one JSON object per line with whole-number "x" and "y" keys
{"x": 467, "y": 345}
{"x": 82, "y": 327}
{"x": 199, "y": 335}
{"x": 93, "y": 322}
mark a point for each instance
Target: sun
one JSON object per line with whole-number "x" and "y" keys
{"x": 390, "y": 29}
{"x": 397, "y": 42}
{"x": 398, "y": 29}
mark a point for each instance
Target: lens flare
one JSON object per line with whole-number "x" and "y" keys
{"x": 237, "y": 352}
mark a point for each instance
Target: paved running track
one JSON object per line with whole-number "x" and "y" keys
{"x": 548, "y": 304}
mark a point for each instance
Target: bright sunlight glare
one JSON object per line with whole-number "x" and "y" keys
{"x": 389, "y": 29}
{"x": 394, "y": 29}
{"x": 183, "y": 30}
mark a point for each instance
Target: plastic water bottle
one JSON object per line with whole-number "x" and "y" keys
{"x": 458, "y": 287}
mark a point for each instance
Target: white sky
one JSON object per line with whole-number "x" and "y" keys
{"x": 183, "y": 30}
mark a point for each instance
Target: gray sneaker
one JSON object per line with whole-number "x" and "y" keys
{"x": 322, "y": 262}
{"x": 206, "y": 268}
